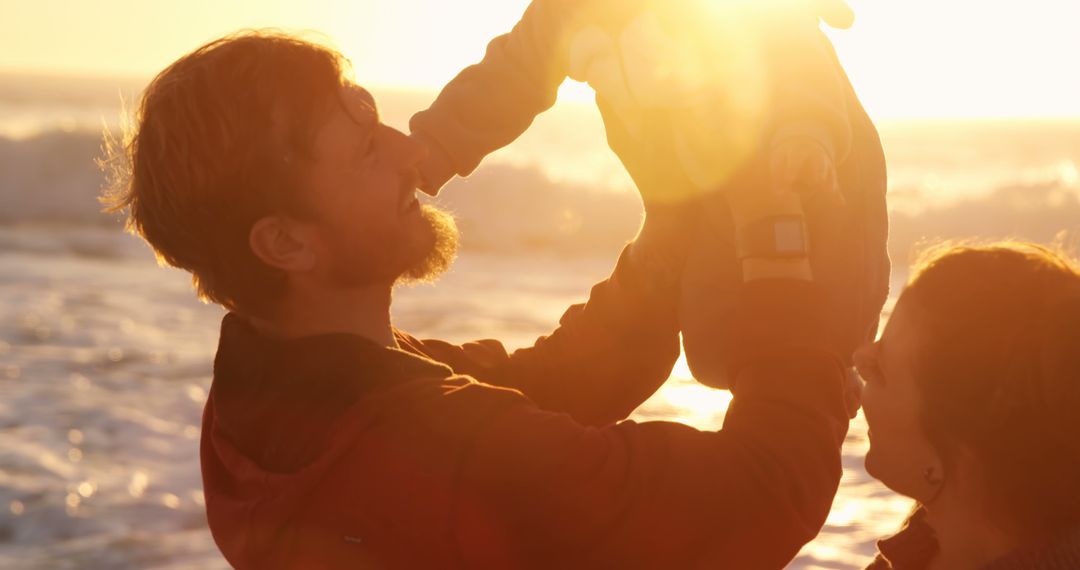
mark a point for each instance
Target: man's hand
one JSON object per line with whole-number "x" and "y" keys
{"x": 649, "y": 157}
{"x": 671, "y": 200}
{"x": 797, "y": 169}
{"x": 801, "y": 164}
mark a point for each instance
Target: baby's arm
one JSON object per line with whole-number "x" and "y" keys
{"x": 491, "y": 103}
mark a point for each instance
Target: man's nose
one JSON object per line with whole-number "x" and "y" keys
{"x": 406, "y": 151}
{"x": 864, "y": 354}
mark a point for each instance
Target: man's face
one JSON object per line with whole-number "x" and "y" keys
{"x": 368, "y": 227}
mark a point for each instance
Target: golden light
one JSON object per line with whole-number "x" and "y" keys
{"x": 693, "y": 72}
{"x": 914, "y": 58}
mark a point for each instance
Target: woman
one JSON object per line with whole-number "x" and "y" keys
{"x": 973, "y": 401}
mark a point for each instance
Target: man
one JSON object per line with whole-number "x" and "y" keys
{"x": 332, "y": 440}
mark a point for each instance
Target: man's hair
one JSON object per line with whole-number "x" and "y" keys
{"x": 217, "y": 143}
{"x": 998, "y": 370}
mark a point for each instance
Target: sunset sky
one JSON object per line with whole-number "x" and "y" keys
{"x": 910, "y": 58}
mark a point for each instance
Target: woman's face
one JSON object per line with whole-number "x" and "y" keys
{"x": 900, "y": 452}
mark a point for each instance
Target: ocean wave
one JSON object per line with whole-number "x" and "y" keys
{"x": 1044, "y": 212}
{"x": 52, "y": 177}
{"x": 66, "y": 240}
{"x": 506, "y": 207}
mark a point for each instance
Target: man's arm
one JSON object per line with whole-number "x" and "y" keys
{"x": 606, "y": 357}
{"x": 659, "y": 494}
{"x": 609, "y": 355}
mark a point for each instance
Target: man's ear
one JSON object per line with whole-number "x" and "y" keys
{"x": 279, "y": 243}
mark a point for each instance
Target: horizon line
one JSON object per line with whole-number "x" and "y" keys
{"x": 571, "y": 99}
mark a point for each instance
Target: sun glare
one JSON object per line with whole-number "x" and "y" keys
{"x": 918, "y": 58}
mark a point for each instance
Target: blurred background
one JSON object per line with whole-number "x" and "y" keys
{"x": 105, "y": 359}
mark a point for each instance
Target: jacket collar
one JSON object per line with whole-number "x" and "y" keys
{"x": 278, "y": 400}
{"x": 913, "y": 547}
{"x": 351, "y": 362}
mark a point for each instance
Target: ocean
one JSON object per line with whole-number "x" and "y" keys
{"x": 105, "y": 357}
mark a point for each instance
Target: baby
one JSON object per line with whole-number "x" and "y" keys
{"x": 731, "y": 80}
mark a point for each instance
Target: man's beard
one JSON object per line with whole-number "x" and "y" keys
{"x": 400, "y": 259}
{"x": 443, "y": 249}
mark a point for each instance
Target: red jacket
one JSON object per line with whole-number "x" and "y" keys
{"x": 333, "y": 452}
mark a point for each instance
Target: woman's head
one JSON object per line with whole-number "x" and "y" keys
{"x": 976, "y": 382}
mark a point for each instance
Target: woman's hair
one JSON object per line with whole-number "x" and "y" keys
{"x": 998, "y": 368}
{"x": 212, "y": 150}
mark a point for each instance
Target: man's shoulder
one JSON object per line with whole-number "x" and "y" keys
{"x": 456, "y": 399}
{"x": 475, "y": 358}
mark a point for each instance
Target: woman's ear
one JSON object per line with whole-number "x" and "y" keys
{"x": 279, "y": 243}
{"x": 934, "y": 477}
